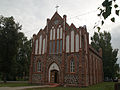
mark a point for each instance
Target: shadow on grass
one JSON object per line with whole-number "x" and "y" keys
{"x": 100, "y": 86}
{"x": 15, "y": 84}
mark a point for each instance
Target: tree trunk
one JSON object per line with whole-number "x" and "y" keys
{"x": 4, "y": 77}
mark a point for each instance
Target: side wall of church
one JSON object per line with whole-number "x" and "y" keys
{"x": 95, "y": 68}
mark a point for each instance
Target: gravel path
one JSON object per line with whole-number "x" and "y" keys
{"x": 21, "y": 88}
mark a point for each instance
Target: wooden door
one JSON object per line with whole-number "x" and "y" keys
{"x": 54, "y": 76}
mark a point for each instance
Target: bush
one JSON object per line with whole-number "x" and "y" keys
{"x": 0, "y": 77}
{"x": 117, "y": 86}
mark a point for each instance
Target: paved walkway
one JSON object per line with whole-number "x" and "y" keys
{"x": 21, "y": 88}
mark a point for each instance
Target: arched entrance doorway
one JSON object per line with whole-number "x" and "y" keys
{"x": 54, "y": 76}
{"x": 54, "y": 72}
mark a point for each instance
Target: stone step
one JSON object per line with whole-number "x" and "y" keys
{"x": 54, "y": 84}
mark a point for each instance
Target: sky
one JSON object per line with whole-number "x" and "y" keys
{"x": 32, "y": 15}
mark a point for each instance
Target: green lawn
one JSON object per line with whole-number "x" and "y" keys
{"x": 101, "y": 86}
{"x": 14, "y": 84}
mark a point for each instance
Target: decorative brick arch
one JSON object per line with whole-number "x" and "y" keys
{"x": 69, "y": 59}
{"x": 35, "y": 62}
{"x": 53, "y": 66}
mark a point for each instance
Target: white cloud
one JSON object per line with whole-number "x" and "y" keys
{"x": 32, "y": 14}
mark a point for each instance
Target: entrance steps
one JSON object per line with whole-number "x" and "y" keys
{"x": 54, "y": 84}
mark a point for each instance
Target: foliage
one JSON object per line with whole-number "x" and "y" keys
{"x": 106, "y": 10}
{"x": 9, "y": 30}
{"x": 23, "y": 56}
{"x": 15, "y": 50}
{"x": 109, "y": 55}
{"x": 0, "y": 77}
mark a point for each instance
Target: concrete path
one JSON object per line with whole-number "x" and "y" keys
{"x": 21, "y": 88}
{"x": 15, "y": 82}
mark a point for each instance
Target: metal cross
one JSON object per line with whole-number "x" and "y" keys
{"x": 57, "y": 7}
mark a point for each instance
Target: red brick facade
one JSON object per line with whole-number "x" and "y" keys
{"x": 55, "y": 46}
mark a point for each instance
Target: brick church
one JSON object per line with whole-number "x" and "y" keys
{"x": 61, "y": 54}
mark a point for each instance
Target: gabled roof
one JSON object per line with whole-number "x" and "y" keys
{"x": 56, "y": 15}
{"x": 67, "y": 27}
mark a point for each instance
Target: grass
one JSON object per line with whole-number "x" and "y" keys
{"x": 101, "y": 86}
{"x": 14, "y": 84}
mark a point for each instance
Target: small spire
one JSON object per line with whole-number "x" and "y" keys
{"x": 57, "y": 8}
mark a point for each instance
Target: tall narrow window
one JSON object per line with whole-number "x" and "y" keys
{"x": 57, "y": 46}
{"x": 58, "y": 33}
{"x": 60, "y": 46}
{"x": 36, "y": 46}
{"x": 72, "y": 41}
{"x": 50, "y": 48}
{"x": 72, "y": 65}
{"x": 43, "y": 51}
{"x": 51, "y": 34}
{"x": 67, "y": 43}
{"x": 53, "y": 46}
{"x": 40, "y": 44}
{"x": 39, "y": 66}
{"x": 77, "y": 43}
{"x": 61, "y": 33}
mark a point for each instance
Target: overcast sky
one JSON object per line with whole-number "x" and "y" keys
{"x": 32, "y": 15}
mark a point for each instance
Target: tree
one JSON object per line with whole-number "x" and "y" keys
{"x": 23, "y": 56}
{"x": 109, "y": 55}
{"x": 109, "y": 8}
{"x": 9, "y": 31}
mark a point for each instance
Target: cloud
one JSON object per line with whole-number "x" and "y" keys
{"x": 116, "y": 39}
{"x": 32, "y": 14}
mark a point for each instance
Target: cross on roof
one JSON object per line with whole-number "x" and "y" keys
{"x": 57, "y": 7}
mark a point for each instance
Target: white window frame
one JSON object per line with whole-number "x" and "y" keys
{"x": 72, "y": 65}
{"x": 39, "y": 66}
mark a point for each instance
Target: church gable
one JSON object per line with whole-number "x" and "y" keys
{"x": 56, "y": 39}
{"x": 55, "y": 21}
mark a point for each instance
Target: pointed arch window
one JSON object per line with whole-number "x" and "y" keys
{"x": 72, "y": 65}
{"x": 77, "y": 43}
{"x": 58, "y": 33}
{"x": 57, "y": 46}
{"x": 72, "y": 41}
{"x": 51, "y": 34}
{"x": 67, "y": 43}
{"x": 53, "y": 46}
{"x": 36, "y": 46}
{"x": 60, "y": 46}
{"x": 39, "y": 66}
{"x": 40, "y": 44}
{"x": 50, "y": 47}
{"x": 43, "y": 51}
